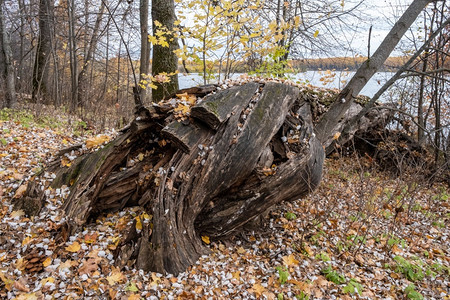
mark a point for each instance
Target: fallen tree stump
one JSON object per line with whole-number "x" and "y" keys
{"x": 200, "y": 167}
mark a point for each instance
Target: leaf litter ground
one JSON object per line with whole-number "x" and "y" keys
{"x": 361, "y": 235}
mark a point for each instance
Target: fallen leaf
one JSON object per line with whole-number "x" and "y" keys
{"x": 134, "y": 297}
{"x": 96, "y": 141}
{"x": 74, "y": 247}
{"x": 116, "y": 276}
{"x": 258, "y": 289}
{"x": 138, "y": 223}
{"x": 47, "y": 279}
{"x": 140, "y": 156}
{"x": 66, "y": 265}
{"x": 31, "y": 296}
{"x": 6, "y": 281}
{"x": 21, "y": 286}
{"x": 90, "y": 238}
{"x": 205, "y": 239}
{"x": 290, "y": 260}
{"x": 236, "y": 275}
{"x": 112, "y": 294}
{"x": 88, "y": 267}
{"x": 20, "y": 191}
{"x": 47, "y": 262}
{"x": 155, "y": 279}
{"x": 26, "y": 240}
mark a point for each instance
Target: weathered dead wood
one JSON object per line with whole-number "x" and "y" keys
{"x": 211, "y": 174}
{"x": 216, "y": 109}
{"x": 184, "y": 135}
{"x": 198, "y": 91}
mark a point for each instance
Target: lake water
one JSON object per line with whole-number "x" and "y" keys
{"x": 316, "y": 78}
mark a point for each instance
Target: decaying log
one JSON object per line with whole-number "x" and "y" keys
{"x": 239, "y": 152}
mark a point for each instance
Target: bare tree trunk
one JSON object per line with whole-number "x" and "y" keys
{"x": 325, "y": 130}
{"x": 164, "y": 59}
{"x": 83, "y": 85}
{"x": 6, "y": 63}
{"x": 43, "y": 51}
{"x": 145, "y": 50}
{"x": 72, "y": 54}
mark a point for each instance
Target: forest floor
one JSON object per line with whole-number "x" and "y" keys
{"x": 363, "y": 234}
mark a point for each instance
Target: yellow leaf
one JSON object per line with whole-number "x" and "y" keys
{"x": 316, "y": 33}
{"x": 336, "y": 135}
{"x": 96, "y": 141}
{"x": 155, "y": 279}
{"x": 20, "y": 264}
{"x": 48, "y": 279}
{"x": 47, "y": 262}
{"x": 182, "y": 108}
{"x": 236, "y": 275}
{"x": 241, "y": 250}
{"x": 140, "y": 156}
{"x": 138, "y": 224}
{"x": 26, "y": 240}
{"x": 74, "y": 247}
{"x": 290, "y": 260}
{"x": 6, "y": 281}
{"x": 115, "y": 277}
{"x": 206, "y": 240}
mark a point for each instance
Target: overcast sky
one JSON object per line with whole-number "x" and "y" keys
{"x": 381, "y": 15}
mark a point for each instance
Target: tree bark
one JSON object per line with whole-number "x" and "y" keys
{"x": 164, "y": 59}
{"x": 6, "y": 64}
{"x": 145, "y": 50}
{"x": 83, "y": 85}
{"x": 43, "y": 51}
{"x": 325, "y": 130}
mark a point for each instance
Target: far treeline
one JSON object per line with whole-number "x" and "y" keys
{"x": 392, "y": 64}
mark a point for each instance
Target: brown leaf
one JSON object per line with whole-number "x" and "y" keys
{"x": 20, "y": 191}
{"x": 88, "y": 267}
{"x": 258, "y": 289}
{"x": 90, "y": 238}
{"x": 21, "y": 285}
